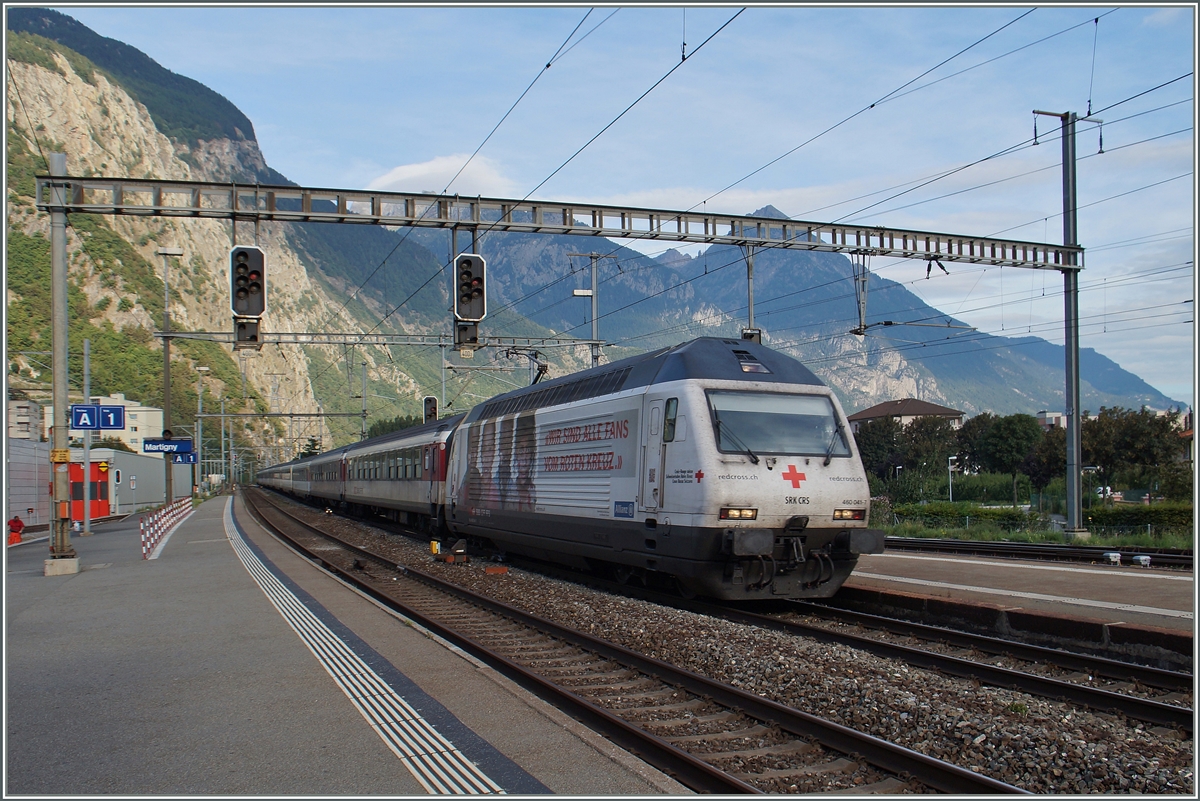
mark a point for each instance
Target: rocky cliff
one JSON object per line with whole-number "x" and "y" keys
{"x": 103, "y": 131}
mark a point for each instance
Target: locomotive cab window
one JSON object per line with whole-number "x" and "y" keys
{"x": 776, "y": 423}
{"x": 671, "y": 410}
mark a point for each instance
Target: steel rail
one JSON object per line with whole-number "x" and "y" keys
{"x": 1163, "y": 557}
{"x": 1141, "y": 709}
{"x": 935, "y": 773}
{"x": 1101, "y": 666}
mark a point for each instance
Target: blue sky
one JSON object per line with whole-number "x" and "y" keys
{"x": 394, "y": 97}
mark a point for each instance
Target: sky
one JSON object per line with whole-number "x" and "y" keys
{"x": 828, "y": 114}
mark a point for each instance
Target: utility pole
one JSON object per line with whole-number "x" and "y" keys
{"x": 1074, "y": 528}
{"x": 223, "y": 441}
{"x": 232, "y": 479}
{"x": 63, "y": 559}
{"x": 198, "y": 477}
{"x": 87, "y": 441}
{"x": 594, "y": 294}
{"x": 168, "y": 462}
{"x": 364, "y": 402}
{"x": 750, "y": 284}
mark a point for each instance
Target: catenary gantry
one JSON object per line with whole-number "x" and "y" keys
{"x": 260, "y": 203}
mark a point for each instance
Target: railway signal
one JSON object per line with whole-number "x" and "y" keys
{"x": 248, "y": 281}
{"x": 245, "y": 332}
{"x": 431, "y": 410}
{"x": 470, "y": 295}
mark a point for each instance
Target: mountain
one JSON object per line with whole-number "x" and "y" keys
{"x": 114, "y": 111}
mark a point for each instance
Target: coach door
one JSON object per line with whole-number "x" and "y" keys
{"x": 652, "y": 457}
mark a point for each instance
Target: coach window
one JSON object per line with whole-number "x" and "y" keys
{"x": 672, "y": 409}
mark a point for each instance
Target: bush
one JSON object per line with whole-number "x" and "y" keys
{"x": 947, "y": 513}
{"x": 1161, "y": 516}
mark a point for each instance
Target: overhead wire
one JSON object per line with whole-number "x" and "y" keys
{"x": 491, "y": 226}
{"x": 557, "y": 54}
{"x": 496, "y": 127}
{"x": 863, "y": 110}
{"x": 765, "y": 313}
{"x": 944, "y": 174}
{"x": 947, "y": 173}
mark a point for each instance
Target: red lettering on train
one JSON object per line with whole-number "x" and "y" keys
{"x": 592, "y": 432}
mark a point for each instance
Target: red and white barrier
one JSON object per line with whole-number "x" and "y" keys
{"x": 160, "y": 523}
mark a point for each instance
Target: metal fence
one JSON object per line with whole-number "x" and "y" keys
{"x": 966, "y": 521}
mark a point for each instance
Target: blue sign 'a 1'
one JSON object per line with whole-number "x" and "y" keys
{"x": 94, "y": 416}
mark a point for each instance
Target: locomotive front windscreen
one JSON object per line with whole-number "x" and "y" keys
{"x": 776, "y": 423}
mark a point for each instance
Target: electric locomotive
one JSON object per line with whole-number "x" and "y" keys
{"x": 719, "y": 462}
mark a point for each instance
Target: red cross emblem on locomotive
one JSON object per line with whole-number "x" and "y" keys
{"x": 791, "y": 475}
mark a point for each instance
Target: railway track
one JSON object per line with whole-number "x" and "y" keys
{"x": 1091, "y": 554}
{"x": 1151, "y": 695}
{"x": 1159, "y": 697}
{"x": 712, "y": 737}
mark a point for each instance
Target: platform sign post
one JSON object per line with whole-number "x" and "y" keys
{"x": 62, "y": 558}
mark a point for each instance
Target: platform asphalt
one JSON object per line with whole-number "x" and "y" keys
{"x": 178, "y": 676}
{"x": 1147, "y": 597}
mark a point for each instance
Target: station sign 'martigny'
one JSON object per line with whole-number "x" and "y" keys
{"x": 167, "y": 446}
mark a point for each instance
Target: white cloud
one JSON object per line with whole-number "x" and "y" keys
{"x": 1166, "y": 16}
{"x": 482, "y": 176}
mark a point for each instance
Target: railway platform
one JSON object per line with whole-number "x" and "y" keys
{"x": 230, "y": 666}
{"x": 1122, "y": 608}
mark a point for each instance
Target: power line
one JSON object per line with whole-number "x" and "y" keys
{"x": 863, "y": 110}
{"x": 557, "y": 54}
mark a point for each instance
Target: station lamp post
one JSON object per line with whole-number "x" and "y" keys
{"x": 198, "y": 474}
{"x": 950, "y": 474}
{"x": 168, "y": 462}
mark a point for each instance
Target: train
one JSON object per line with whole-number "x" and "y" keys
{"x": 719, "y": 466}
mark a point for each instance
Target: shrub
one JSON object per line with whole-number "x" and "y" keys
{"x": 1171, "y": 515}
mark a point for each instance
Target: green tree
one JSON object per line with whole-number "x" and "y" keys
{"x": 970, "y": 442}
{"x": 114, "y": 443}
{"x": 1048, "y": 459}
{"x": 311, "y": 448}
{"x": 928, "y": 442}
{"x": 1008, "y": 442}
{"x": 381, "y": 427}
{"x": 880, "y": 445}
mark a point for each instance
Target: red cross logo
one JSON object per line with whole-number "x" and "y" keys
{"x": 699, "y": 475}
{"x": 792, "y": 476}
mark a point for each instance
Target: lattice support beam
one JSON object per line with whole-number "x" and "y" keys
{"x": 257, "y": 203}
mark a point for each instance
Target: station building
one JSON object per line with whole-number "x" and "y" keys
{"x": 24, "y": 419}
{"x": 121, "y": 482}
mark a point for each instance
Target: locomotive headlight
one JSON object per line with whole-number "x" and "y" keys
{"x": 849, "y": 514}
{"x": 738, "y": 514}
